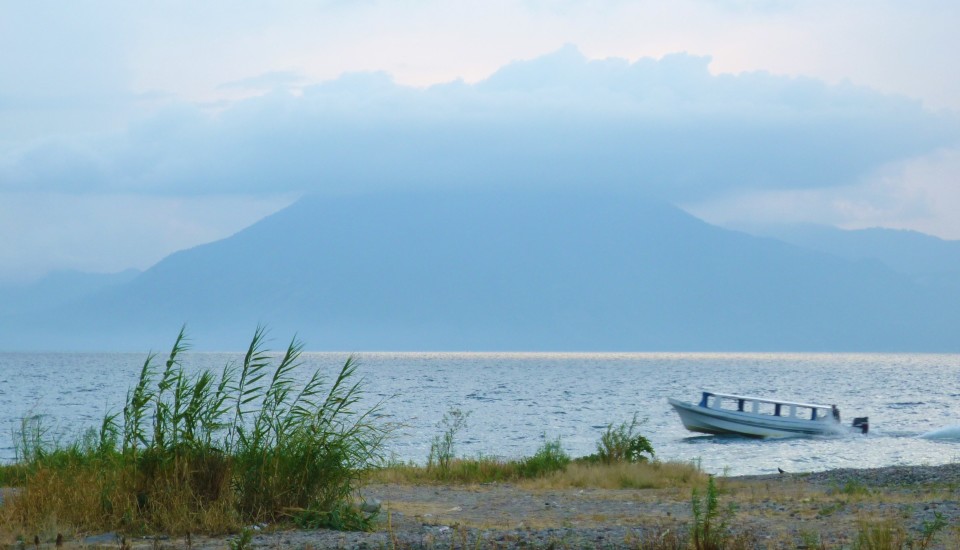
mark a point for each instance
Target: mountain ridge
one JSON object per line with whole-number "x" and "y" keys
{"x": 928, "y": 259}
{"x": 509, "y": 271}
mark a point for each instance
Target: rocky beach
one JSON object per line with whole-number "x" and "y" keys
{"x": 903, "y": 506}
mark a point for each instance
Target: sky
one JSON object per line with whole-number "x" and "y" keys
{"x": 131, "y": 130}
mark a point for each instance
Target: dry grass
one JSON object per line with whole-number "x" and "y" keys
{"x": 460, "y": 471}
{"x": 85, "y": 499}
{"x": 622, "y": 475}
{"x": 637, "y": 475}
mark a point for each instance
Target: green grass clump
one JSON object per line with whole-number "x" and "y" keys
{"x": 204, "y": 452}
{"x": 880, "y": 535}
{"x": 549, "y": 458}
{"x": 854, "y": 488}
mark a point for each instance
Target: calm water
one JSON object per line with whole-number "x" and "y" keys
{"x": 516, "y": 399}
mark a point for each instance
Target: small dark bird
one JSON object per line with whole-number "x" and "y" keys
{"x": 36, "y": 541}
{"x": 781, "y": 470}
{"x": 59, "y": 540}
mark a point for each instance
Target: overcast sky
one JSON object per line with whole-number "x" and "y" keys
{"x": 131, "y": 130}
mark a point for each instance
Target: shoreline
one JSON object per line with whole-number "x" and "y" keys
{"x": 770, "y": 511}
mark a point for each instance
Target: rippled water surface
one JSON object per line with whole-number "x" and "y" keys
{"x": 515, "y": 399}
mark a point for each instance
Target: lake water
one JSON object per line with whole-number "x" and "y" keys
{"x": 515, "y": 399}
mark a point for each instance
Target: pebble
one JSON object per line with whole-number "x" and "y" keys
{"x": 370, "y": 506}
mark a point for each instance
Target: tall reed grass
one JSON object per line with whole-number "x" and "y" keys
{"x": 206, "y": 452}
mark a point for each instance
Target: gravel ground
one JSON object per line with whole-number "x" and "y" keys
{"x": 892, "y": 476}
{"x": 771, "y": 511}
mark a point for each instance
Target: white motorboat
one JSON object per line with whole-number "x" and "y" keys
{"x": 719, "y": 413}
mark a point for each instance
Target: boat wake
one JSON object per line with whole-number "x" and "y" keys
{"x": 947, "y": 432}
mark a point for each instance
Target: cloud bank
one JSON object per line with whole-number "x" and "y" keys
{"x": 101, "y": 195}
{"x": 666, "y": 127}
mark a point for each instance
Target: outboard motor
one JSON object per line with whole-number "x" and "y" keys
{"x": 862, "y": 422}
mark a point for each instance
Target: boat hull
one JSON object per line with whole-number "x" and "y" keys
{"x": 724, "y": 422}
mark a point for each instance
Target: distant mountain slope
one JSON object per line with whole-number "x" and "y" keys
{"x": 508, "y": 271}
{"x": 57, "y": 289}
{"x": 929, "y": 260}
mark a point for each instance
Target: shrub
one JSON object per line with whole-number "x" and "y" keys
{"x": 621, "y": 444}
{"x": 442, "y": 447}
